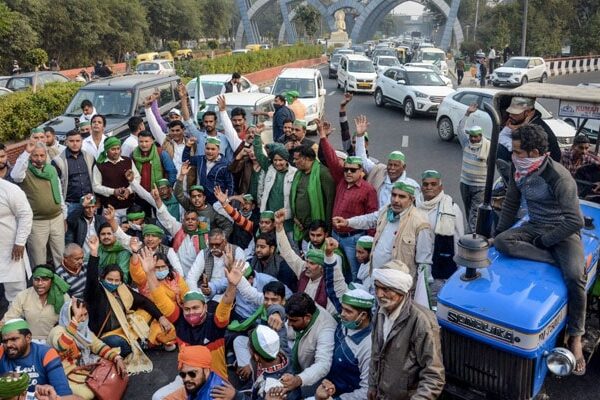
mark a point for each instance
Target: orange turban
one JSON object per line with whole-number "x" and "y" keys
{"x": 194, "y": 356}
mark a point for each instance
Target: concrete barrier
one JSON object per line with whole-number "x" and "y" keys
{"x": 572, "y": 65}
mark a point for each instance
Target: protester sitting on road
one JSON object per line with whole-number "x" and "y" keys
{"x": 78, "y": 347}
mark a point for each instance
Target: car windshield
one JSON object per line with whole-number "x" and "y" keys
{"x": 19, "y": 83}
{"x": 385, "y": 52}
{"x": 3, "y": 81}
{"x": 424, "y": 79}
{"x": 428, "y": 56}
{"x": 432, "y": 67}
{"x": 361, "y": 66}
{"x": 335, "y": 59}
{"x": 210, "y": 88}
{"x": 249, "y": 110}
{"x": 388, "y": 62}
{"x": 306, "y": 87}
{"x": 110, "y": 103}
{"x": 517, "y": 63}
{"x": 147, "y": 67}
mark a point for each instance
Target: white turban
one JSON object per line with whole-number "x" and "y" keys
{"x": 395, "y": 275}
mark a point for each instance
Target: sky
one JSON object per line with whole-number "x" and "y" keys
{"x": 409, "y": 8}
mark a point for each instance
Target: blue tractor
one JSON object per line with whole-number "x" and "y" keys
{"x": 502, "y": 319}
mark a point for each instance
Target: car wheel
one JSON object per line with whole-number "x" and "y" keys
{"x": 544, "y": 78}
{"x": 445, "y": 129}
{"x": 409, "y": 107}
{"x": 496, "y": 84}
{"x": 379, "y": 101}
{"x": 524, "y": 80}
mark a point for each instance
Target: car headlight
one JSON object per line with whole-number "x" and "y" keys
{"x": 351, "y": 78}
{"x": 560, "y": 361}
{"x": 421, "y": 95}
{"x": 312, "y": 109}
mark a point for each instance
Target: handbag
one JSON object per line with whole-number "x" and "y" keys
{"x": 105, "y": 381}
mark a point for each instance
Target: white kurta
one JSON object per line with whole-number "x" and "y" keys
{"x": 89, "y": 146}
{"x": 15, "y": 224}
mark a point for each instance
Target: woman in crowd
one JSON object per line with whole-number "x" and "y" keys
{"x": 40, "y": 304}
{"x": 79, "y": 347}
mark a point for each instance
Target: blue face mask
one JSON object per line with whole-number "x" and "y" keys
{"x": 111, "y": 287}
{"x": 160, "y": 275}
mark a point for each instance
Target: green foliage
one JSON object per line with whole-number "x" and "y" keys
{"x": 21, "y": 111}
{"x": 307, "y": 17}
{"x": 16, "y": 36}
{"x": 250, "y": 62}
{"x": 36, "y": 57}
{"x": 217, "y": 18}
{"x": 173, "y": 46}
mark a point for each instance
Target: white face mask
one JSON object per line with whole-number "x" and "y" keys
{"x": 524, "y": 166}
{"x": 135, "y": 227}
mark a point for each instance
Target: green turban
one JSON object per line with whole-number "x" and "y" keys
{"x": 84, "y": 123}
{"x": 405, "y": 187}
{"x": 162, "y": 182}
{"x": 213, "y": 140}
{"x": 248, "y": 198}
{"x": 92, "y": 200}
{"x": 14, "y": 325}
{"x": 108, "y": 144}
{"x": 397, "y": 156}
{"x": 153, "y": 230}
{"x": 13, "y": 385}
{"x": 300, "y": 122}
{"x": 135, "y": 215}
{"x": 316, "y": 256}
{"x": 37, "y": 130}
{"x": 199, "y": 188}
{"x": 358, "y": 298}
{"x": 56, "y": 294}
{"x": 366, "y": 242}
{"x": 474, "y": 131}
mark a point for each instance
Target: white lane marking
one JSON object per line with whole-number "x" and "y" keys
{"x": 331, "y": 93}
{"x": 404, "y": 141}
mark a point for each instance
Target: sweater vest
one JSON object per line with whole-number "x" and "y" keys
{"x": 113, "y": 176}
{"x": 39, "y": 194}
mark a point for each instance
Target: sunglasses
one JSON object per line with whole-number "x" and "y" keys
{"x": 191, "y": 374}
{"x": 353, "y": 170}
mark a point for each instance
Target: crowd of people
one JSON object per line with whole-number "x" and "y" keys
{"x": 286, "y": 270}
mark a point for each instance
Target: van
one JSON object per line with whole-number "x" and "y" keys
{"x": 431, "y": 55}
{"x": 308, "y": 82}
{"x": 356, "y": 73}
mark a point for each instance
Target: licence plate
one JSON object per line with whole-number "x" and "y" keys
{"x": 364, "y": 85}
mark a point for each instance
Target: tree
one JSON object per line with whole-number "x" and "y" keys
{"x": 126, "y": 28}
{"x": 16, "y": 36}
{"x": 173, "y": 46}
{"x": 308, "y": 18}
{"x": 216, "y": 23}
{"x": 36, "y": 58}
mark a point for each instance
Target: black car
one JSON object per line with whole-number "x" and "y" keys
{"x": 24, "y": 81}
{"x": 118, "y": 99}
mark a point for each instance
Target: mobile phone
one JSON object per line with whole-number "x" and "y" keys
{"x": 247, "y": 145}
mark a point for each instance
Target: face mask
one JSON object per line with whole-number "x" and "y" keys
{"x": 135, "y": 227}
{"x": 195, "y": 318}
{"x": 277, "y": 106}
{"x": 160, "y": 275}
{"x": 524, "y": 166}
{"x": 352, "y": 324}
{"x": 111, "y": 287}
{"x": 82, "y": 325}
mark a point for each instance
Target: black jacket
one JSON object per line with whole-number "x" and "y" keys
{"x": 77, "y": 227}
{"x": 553, "y": 146}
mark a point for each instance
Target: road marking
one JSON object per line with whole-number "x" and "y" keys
{"x": 331, "y": 93}
{"x": 404, "y": 141}
{"x": 406, "y": 119}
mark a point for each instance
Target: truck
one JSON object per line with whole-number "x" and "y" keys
{"x": 503, "y": 319}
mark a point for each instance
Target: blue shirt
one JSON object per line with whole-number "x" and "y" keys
{"x": 43, "y": 365}
{"x": 224, "y": 149}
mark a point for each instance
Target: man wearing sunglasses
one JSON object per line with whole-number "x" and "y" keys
{"x": 195, "y": 372}
{"x": 353, "y": 196}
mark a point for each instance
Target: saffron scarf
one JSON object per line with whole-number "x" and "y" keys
{"x": 153, "y": 158}
{"x": 48, "y": 172}
{"x": 315, "y": 196}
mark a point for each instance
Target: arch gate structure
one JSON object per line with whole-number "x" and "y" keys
{"x": 369, "y": 15}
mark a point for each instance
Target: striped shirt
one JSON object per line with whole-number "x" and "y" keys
{"x": 76, "y": 282}
{"x": 474, "y": 167}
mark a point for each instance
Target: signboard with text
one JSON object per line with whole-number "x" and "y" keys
{"x": 577, "y": 109}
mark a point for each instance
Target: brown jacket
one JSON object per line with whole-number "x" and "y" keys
{"x": 408, "y": 365}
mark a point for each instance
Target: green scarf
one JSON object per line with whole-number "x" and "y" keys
{"x": 315, "y": 196}
{"x": 115, "y": 254}
{"x": 48, "y": 172}
{"x": 237, "y": 326}
{"x": 153, "y": 158}
{"x": 200, "y": 233}
{"x": 299, "y": 336}
{"x": 56, "y": 294}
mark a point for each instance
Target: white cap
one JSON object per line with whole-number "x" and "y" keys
{"x": 175, "y": 111}
{"x": 265, "y": 341}
{"x": 341, "y": 154}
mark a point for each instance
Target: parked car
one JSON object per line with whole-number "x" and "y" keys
{"x": 520, "y": 70}
{"x": 416, "y": 90}
{"x": 334, "y": 63}
{"x": 592, "y": 126}
{"x": 250, "y": 102}
{"x": 157, "y": 67}
{"x": 118, "y": 99}
{"x": 356, "y": 74}
{"x": 308, "y": 82}
{"x": 3, "y": 80}
{"x": 435, "y": 69}
{"x": 25, "y": 81}
{"x": 453, "y": 108}
{"x": 4, "y": 91}
{"x": 382, "y": 63}
{"x": 213, "y": 84}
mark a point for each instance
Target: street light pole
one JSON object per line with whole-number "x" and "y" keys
{"x": 524, "y": 28}
{"x": 476, "y": 18}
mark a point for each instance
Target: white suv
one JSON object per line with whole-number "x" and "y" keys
{"x": 309, "y": 83}
{"x": 520, "y": 70}
{"x": 416, "y": 90}
{"x": 356, "y": 74}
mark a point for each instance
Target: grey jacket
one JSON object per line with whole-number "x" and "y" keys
{"x": 60, "y": 162}
{"x": 408, "y": 365}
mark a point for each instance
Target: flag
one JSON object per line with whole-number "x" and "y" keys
{"x": 199, "y": 100}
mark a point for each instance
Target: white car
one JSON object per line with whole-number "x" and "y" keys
{"x": 592, "y": 126}
{"x": 213, "y": 84}
{"x": 308, "y": 82}
{"x": 520, "y": 70}
{"x": 250, "y": 102}
{"x": 4, "y": 91}
{"x": 453, "y": 109}
{"x": 435, "y": 69}
{"x": 356, "y": 74}
{"x": 432, "y": 55}
{"x": 382, "y": 63}
{"x": 157, "y": 67}
{"x": 416, "y": 90}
